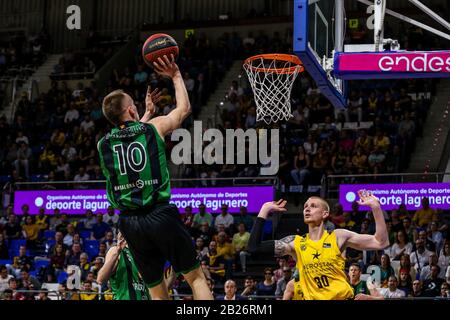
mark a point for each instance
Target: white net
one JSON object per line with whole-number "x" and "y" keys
{"x": 271, "y": 80}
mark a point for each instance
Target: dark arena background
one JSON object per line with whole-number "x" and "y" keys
{"x": 388, "y": 134}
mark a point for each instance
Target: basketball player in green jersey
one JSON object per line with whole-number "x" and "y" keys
{"x": 133, "y": 160}
{"x": 121, "y": 271}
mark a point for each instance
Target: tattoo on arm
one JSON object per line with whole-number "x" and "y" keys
{"x": 282, "y": 247}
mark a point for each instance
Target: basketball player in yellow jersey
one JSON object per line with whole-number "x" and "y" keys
{"x": 320, "y": 255}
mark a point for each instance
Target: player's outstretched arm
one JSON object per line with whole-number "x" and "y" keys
{"x": 278, "y": 247}
{"x": 379, "y": 240}
{"x": 111, "y": 261}
{"x": 166, "y": 124}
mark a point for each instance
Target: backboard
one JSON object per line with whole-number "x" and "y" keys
{"x": 316, "y": 36}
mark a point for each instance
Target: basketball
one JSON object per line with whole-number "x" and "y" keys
{"x": 158, "y": 45}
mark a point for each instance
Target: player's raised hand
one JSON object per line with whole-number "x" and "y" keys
{"x": 272, "y": 206}
{"x": 166, "y": 67}
{"x": 368, "y": 199}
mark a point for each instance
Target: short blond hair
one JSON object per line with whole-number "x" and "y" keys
{"x": 324, "y": 203}
{"x": 112, "y": 106}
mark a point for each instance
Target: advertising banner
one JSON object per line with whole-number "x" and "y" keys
{"x": 393, "y": 195}
{"x": 78, "y": 201}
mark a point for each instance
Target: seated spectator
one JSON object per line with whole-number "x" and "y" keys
{"x": 405, "y": 282}
{"x": 225, "y": 250}
{"x": 401, "y": 246}
{"x": 278, "y": 274}
{"x": 302, "y": 163}
{"x": 205, "y": 232}
{"x": 381, "y": 142}
{"x": 109, "y": 240}
{"x": 376, "y": 160}
{"x": 13, "y": 287}
{"x": 88, "y": 292}
{"x": 244, "y": 218}
{"x": 409, "y": 229}
{"x": 59, "y": 240}
{"x": 57, "y": 259}
{"x": 68, "y": 238}
{"x": 43, "y": 295}
{"x": 392, "y": 291}
{"x": 55, "y": 220}
{"x": 433, "y": 284}
{"x": 14, "y": 268}
{"x": 405, "y": 264}
{"x": 266, "y": 287}
{"x": 4, "y": 252}
{"x": 358, "y": 285}
{"x": 24, "y": 260}
{"x": 230, "y": 292}
{"x": 201, "y": 249}
{"x": 81, "y": 176}
{"x": 42, "y": 220}
{"x": 97, "y": 265}
{"x": 429, "y": 245}
{"x": 444, "y": 258}
{"x": 111, "y": 217}
{"x": 28, "y": 282}
{"x": 216, "y": 263}
{"x": 424, "y": 215}
{"x": 4, "y": 278}
{"x": 445, "y": 290}
{"x": 102, "y": 250}
{"x": 88, "y": 221}
{"x": 436, "y": 236}
{"x": 240, "y": 243}
{"x": 417, "y": 289}
{"x": 249, "y": 287}
{"x": 224, "y": 218}
{"x": 99, "y": 229}
{"x": 420, "y": 256}
{"x": 73, "y": 255}
{"x": 425, "y": 274}
{"x": 202, "y": 217}
{"x": 12, "y": 229}
{"x": 386, "y": 270}
{"x": 281, "y": 284}
{"x": 63, "y": 224}
{"x": 188, "y": 218}
{"x": 348, "y": 223}
{"x": 85, "y": 267}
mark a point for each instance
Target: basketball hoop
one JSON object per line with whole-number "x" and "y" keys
{"x": 271, "y": 77}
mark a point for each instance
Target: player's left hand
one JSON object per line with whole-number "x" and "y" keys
{"x": 368, "y": 199}
{"x": 151, "y": 99}
{"x": 166, "y": 67}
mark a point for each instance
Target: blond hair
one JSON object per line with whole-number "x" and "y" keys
{"x": 324, "y": 203}
{"x": 112, "y": 106}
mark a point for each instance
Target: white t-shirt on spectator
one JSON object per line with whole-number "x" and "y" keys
{"x": 443, "y": 262}
{"x": 68, "y": 240}
{"x": 4, "y": 283}
{"x": 71, "y": 115}
{"x": 447, "y": 273}
{"x": 395, "y": 250}
{"x": 22, "y": 139}
{"x": 114, "y": 219}
{"x": 388, "y": 294}
{"x": 226, "y": 220}
{"x": 70, "y": 154}
{"x": 86, "y": 125}
{"x": 423, "y": 259}
{"x": 84, "y": 177}
{"x": 310, "y": 148}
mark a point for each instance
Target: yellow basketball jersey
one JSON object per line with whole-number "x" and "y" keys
{"x": 321, "y": 268}
{"x": 298, "y": 293}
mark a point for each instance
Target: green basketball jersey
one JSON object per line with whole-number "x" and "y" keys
{"x": 133, "y": 160}
{"x": 126, "y": 284}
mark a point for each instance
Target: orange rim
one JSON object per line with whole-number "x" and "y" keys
{"x": 276, "y": 56}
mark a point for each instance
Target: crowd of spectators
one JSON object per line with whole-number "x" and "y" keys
{"x": 41, "y": 251}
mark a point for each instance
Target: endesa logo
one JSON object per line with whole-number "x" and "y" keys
{"x": 385, "y": 65}
{"x": 415, "y": 62}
